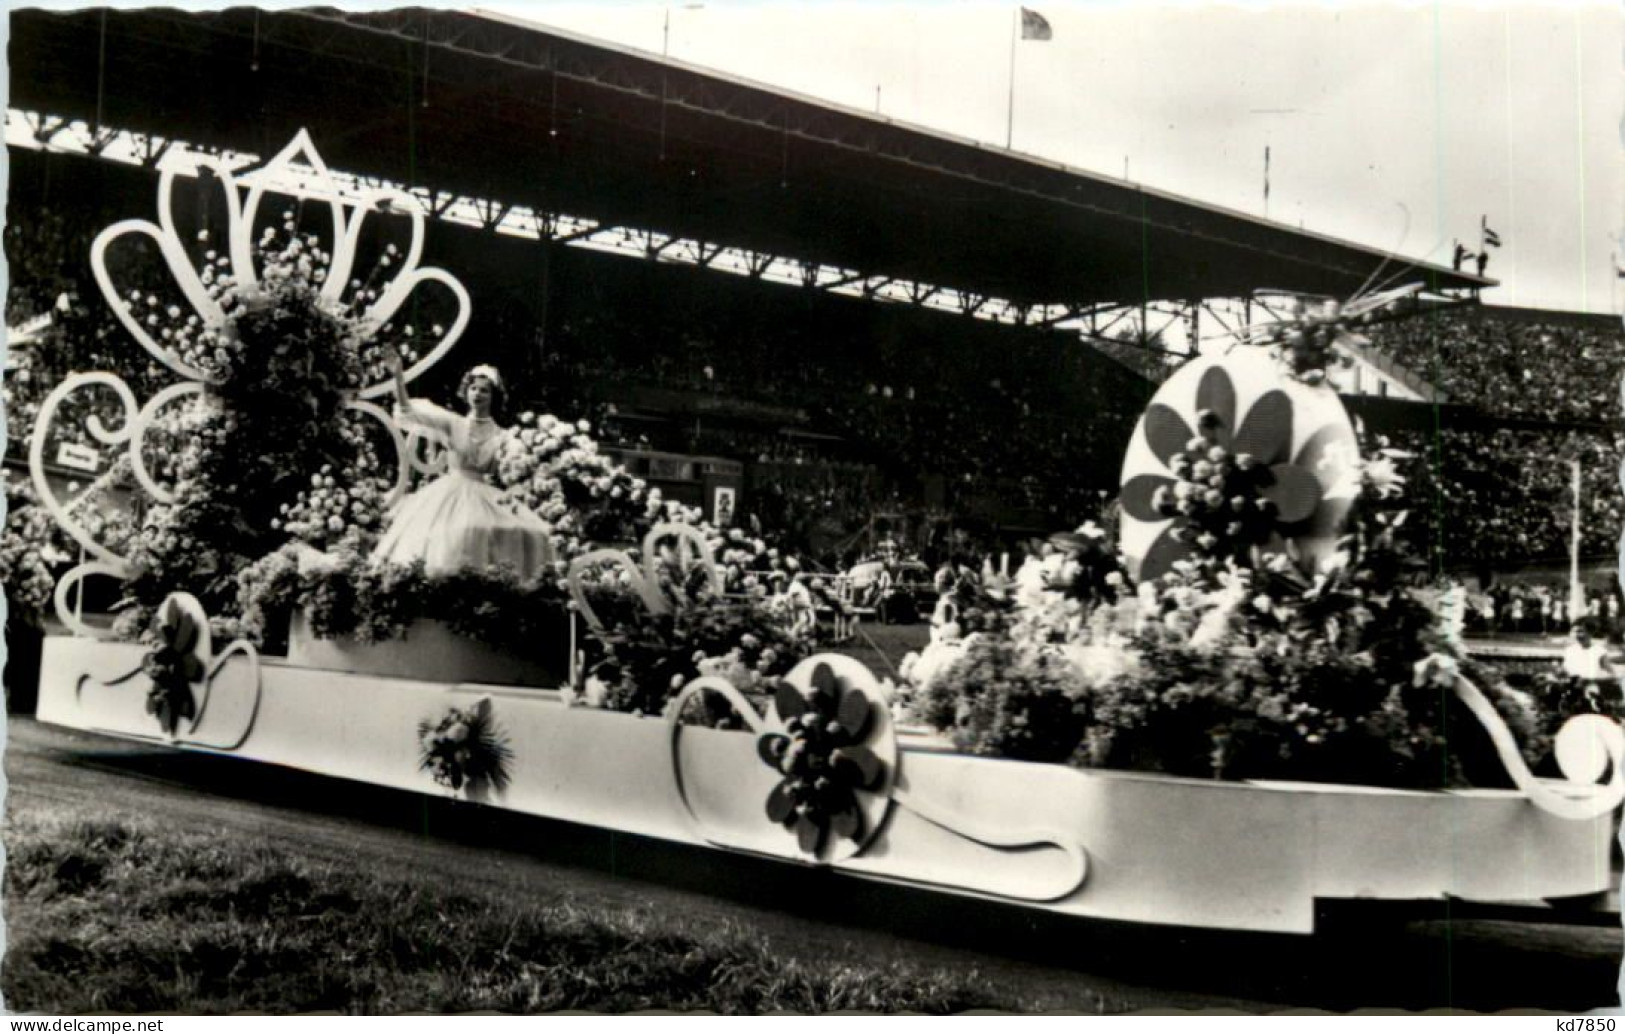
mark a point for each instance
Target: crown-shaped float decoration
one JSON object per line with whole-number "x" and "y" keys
{"x": 186, "y": 318}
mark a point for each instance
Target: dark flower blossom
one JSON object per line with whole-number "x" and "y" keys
{"x": 823, "y": 758}
{"x": 173, "y": 667}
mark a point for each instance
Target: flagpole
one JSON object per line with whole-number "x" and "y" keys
{"x": 1010, "y": 107}
{"x": 1266, "y": 181}
{"x": 1576, "y": 593}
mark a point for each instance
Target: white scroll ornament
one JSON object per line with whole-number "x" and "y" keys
{"x": 296, "y": 172}
{"x": 849, "y": 686}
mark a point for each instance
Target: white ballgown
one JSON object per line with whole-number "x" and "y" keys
{"x": 458, "y": 520}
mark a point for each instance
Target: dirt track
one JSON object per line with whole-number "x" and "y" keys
{"x": 1068, "y": 966}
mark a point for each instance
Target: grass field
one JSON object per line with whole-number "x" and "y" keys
{"x": 883, "y": 647}
{"x": 105, "y": 913}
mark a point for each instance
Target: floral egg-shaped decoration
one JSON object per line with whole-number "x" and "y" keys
{"x": 1235, "y": 457}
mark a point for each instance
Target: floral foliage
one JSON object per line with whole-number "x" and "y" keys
{"x": 554, "y": 467}
{"x": 1335, "y": 688}
{"x": 824, "y": 760}
{"x": 34, "y": 549}
{"x": 27, "y": 552}
{"x": 345, "y": 596}
{"x": 465, "y": 748}
{"x": 279, "y": 372}
{"x": 1560, "y": 695}
{"x": 1231, "y": 663}
{"x": 1008, "y": 699}
{"x": 640, "y": 663}
{"x": 748, "y": 633}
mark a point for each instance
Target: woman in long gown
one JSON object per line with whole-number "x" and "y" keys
{"x": 459, "y": 520}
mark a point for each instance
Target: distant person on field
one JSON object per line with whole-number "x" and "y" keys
{"x": 1585, "y": 658}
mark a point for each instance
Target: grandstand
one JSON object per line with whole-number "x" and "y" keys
{"x": 848, "y": 314}
{"x": 1531, "y": 392}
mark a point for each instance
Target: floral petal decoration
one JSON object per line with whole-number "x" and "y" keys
{"x": 1166, "y": 431}
{"x": 177, "y": 662}
{"x": 827, "y": 758}
{"x": 1295, "y": 492}
{"x": 1138, "y": 497}
{"x": 1266, "y": 433}
{"x": 1216, "y": 399}
{"x": 1265, "y": 466}
{"x": 295, "y": 175}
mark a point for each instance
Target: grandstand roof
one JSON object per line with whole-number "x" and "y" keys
{"x": 488, "y": 107}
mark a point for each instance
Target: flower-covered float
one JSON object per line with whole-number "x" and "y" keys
{"x": 1255, "y": 715}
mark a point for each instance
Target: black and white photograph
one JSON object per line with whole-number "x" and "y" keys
{"x": 806, "y": 508}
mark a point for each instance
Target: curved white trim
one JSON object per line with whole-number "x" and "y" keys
{"x": 1568, "y": 800}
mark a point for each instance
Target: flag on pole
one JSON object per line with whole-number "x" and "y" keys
{"x": 1035, "y": 26}
{"x": 1491, "y": 238}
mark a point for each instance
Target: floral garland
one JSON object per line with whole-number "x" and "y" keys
{"x": 464, "y": 748}
{"x": 346, "y": 596}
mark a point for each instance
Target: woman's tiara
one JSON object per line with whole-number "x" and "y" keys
{"x": 489, "y": 373}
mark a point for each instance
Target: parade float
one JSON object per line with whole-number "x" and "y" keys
{"x": 1252, "y": 717}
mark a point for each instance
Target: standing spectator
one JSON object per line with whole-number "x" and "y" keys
{"x": 1585, "y": 658}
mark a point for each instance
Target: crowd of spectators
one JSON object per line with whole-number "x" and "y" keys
{"x": 866, "y": 407}
{"x": 1487, "y": 497}
{"x": 1513, "y": 367}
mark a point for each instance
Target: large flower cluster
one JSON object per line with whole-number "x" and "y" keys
{"x": 292, "y": 266}
{"x": 346, "y": 508}
{"x": 1218, "y": 494}
{"x": 554, "y": 468}
{"x": 1307, "y": 341}
{"x": 27, "y": 553}
{"x": 1230, "y": 669}
{"x": 279, "y": 370}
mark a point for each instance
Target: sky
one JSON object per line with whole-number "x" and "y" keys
{"x": 1399, "y": 126}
